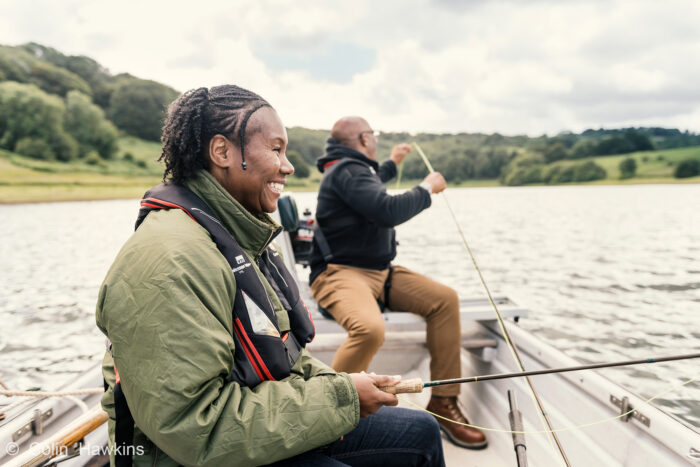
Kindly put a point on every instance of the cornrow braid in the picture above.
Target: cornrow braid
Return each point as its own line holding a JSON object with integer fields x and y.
{"x": 197, "y": 116}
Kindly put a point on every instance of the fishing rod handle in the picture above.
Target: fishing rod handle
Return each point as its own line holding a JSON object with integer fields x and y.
{"x": 409, "y": 385}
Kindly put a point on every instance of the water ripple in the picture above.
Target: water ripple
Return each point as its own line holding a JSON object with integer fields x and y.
{"x": 609, "y": 273}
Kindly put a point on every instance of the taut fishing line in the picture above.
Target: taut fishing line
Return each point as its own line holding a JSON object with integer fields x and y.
{"x": 516, "y": 357}
{"x": 558, "y": 430}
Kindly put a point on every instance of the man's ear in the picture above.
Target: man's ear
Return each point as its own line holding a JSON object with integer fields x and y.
{"x": 221, "y": 151}
{"x": 362, "y": 140}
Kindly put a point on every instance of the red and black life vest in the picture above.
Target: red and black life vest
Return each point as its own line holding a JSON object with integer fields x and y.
{"x": 263, "y": 352}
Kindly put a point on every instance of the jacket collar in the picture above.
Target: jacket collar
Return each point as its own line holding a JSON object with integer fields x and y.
{"x": 336, "y": 151}
{"x": 252, "y": 232}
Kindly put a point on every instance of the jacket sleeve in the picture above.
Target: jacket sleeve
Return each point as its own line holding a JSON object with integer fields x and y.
{"x": 167, "y": 309}
{"x": 310, "y": 367}
{"x": 387, "y": 171}
{"x": 364, "y": 192}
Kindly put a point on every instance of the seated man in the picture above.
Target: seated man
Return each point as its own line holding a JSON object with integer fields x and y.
{"x": 356, "y": 217}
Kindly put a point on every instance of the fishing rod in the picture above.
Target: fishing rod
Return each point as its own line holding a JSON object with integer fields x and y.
{"x": 506, "y": 335}
{"x": 417, "y": 385}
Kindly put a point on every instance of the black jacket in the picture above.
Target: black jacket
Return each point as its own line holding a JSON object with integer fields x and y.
{"x": 355, "y": 213}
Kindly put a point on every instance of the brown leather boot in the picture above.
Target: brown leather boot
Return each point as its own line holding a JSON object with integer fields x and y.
{"x": 464, "y": 436}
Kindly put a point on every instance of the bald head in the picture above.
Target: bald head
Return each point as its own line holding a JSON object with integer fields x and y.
{"x": 355, "y": 133}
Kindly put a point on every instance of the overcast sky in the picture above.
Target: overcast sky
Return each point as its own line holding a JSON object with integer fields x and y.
{"x": 508, "y": 66}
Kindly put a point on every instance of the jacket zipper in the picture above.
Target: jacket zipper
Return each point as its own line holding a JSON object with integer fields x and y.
{"x": 278, "y": 273}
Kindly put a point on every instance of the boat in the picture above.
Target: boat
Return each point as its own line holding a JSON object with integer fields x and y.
{"x": 587, "y": 407}
{"x": 67, "y": 431}
{"x": 598, "y": 422}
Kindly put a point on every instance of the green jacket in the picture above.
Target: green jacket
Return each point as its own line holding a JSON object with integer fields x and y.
{"x": 166, "y": 305}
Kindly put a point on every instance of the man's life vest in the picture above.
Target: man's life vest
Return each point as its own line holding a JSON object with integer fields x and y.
{"x": 263, "y": 352}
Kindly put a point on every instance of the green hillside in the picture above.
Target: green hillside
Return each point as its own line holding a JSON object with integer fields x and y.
{"x": 652, "y": 166}
{"x": 70, "y": 129}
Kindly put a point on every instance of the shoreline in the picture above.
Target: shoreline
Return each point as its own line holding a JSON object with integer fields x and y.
{"x": 31, "y": 193}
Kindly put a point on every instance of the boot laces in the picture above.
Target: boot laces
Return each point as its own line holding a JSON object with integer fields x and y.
{"x": 453, "y": 407}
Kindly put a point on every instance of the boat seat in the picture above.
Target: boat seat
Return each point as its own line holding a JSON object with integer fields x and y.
{"x": 401, "y": 340}
{"x": 470, "y": 310}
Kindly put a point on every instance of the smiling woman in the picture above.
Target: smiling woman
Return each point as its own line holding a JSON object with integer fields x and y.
{"x": 259, "y": 187}
{"x": 200, "y": 311}
{"x": 215, "y": 130}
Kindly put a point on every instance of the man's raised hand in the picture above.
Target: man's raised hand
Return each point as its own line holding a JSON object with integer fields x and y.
{"x": 436, "y": 181}
{"x": 399, "y": 152}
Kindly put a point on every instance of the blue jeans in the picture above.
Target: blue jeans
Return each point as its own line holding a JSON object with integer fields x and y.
{"x": 390, "y": 437}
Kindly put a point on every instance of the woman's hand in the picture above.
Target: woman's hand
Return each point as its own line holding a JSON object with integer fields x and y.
{"x": 371, "y": 397}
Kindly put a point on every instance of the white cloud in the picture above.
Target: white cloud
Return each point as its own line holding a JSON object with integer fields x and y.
{"x": 509, "y": 66}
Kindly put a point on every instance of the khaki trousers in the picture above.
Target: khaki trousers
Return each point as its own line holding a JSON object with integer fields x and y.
{"x": 350, "y": 294}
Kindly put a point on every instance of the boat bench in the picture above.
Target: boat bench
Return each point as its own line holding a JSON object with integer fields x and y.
{"x": 473, "y": 309}
{"x": 395, "y": 340}
{"x": 405, "y": 332}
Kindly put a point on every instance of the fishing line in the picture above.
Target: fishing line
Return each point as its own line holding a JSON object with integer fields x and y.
{"x": 506, "y": 336}
{"x": 558, "y": 430}
{"x": 398, "y": 178}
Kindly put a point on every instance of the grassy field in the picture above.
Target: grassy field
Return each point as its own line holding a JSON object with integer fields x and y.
{"x": 134, "y": 169}
{"x": 21, "y": 184}
{"x": 25, "y": 180}
{"x": 652, "y": 166}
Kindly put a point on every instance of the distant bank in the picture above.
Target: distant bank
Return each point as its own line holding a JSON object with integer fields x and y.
{"x": 134, "y": 170}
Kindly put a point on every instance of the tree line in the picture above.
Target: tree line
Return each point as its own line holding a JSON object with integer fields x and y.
{"x": 514, "y": 160}
{"x": 60, "y": 107}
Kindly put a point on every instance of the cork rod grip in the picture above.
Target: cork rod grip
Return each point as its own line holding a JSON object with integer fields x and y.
{"x": 409, "y": 385}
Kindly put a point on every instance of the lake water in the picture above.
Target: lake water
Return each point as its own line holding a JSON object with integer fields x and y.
{"x": 608, "y": 272}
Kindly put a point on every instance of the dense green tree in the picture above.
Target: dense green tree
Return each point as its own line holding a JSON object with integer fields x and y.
{"x": 458, "y": 167}
{"x": 638, "y": 140}
{"x": 64, "y": 145}
{"x": 93, "y": 158}
{"x": 308, "y": 143}
{"x": 28, "y": 112}
{"x": 301, "y": 168}
{"x": 614, "y": 145}
{"x": 687, "y": 168}
{"x": 588, "y": 171}
{"x": 35, "y": 148}
{"x": 628, "y": 168}
{"x": 582, "y": 148}
{"x": 138, "y": 107}
{"x": 55, "y": 80}
{"x": 10, "y": 70}
{"x": 555, "y": 152}
{"x": 15, "y": 64}
{"x": 86, "y": 122}
{"x": 582, "y": 172}
{"x": 495, "y": 139}
{"x": 96, "y": 76}
{"x": 567, "y": 139}
{"x": 101, "y": 83}
{"x": 565, "y": 175}
{"x": 525, "y": 176}
{"x": 552, "y": 173}
{"x": 517, "y": 170}
{"x": 490, "y": 162}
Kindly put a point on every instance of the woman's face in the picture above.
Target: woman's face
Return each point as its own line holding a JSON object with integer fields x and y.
{"x": 259, "y": 187}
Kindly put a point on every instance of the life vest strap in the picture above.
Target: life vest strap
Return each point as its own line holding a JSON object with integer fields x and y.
{"x": 123, "y": 429}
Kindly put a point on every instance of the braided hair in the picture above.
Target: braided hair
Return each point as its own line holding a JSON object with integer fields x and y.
{"x": 197, "y": 116}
